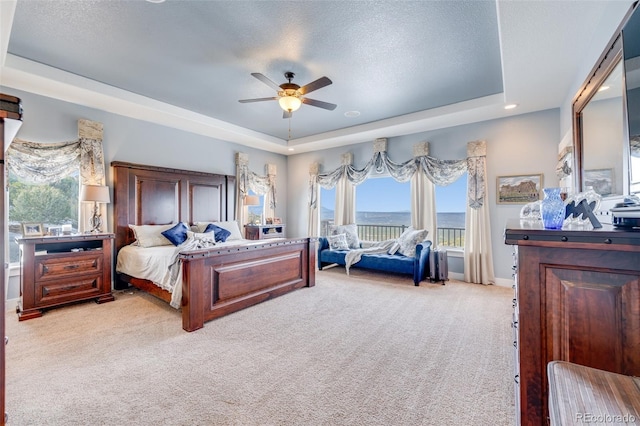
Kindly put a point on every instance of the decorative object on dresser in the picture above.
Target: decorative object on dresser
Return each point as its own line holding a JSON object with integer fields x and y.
{"x": 63, "y": 269}
{"x": 263, "y": 232}
{"x": 577, "y": 299}
{"x": 95, "y": 194}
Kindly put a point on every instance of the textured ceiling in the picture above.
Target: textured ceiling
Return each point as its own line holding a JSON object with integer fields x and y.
{"x": 386, "y": 59}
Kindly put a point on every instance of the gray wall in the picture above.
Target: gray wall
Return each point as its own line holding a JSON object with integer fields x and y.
{"x": 521, "y": 144}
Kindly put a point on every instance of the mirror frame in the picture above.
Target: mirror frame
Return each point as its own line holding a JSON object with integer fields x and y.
{"x": 609, "y": 59}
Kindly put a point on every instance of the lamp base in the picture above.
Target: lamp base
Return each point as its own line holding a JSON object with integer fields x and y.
{"x": 95, "y": 221}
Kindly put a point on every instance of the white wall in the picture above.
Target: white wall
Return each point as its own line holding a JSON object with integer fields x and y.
{"x": 521, "y": 144}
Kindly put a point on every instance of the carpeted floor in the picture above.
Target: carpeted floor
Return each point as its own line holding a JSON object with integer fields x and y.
{"x": 368, "y": 349}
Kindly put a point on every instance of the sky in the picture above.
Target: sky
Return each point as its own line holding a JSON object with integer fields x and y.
{"x": 387, "y": 195}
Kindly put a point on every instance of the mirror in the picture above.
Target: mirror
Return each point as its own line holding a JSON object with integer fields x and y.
{"x": 631, "y": 57}
{"x": 600, "y": 132}
{"x": 603, "y": 165}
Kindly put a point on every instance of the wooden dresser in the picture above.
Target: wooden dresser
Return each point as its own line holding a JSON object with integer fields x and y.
{"x": 59, "y": 270}
{"x": 577, "y": 299}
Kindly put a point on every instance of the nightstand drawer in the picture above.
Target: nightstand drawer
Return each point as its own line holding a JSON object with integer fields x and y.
{"x": 59, "y": 291}
{"x": 53, "y": 267}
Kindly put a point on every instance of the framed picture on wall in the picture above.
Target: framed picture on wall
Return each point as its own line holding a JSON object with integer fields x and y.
{"x": 518, "y": 189}
{"x": 600, "y": 179}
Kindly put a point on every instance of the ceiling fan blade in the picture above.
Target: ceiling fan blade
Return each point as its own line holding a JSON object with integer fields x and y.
{"x": 319, "y": 104}
{"x": 266, "y": 80}
{"x": 287, "y": 114}
{"x": 244, "y": 101}
{"x": 314, "y": 85}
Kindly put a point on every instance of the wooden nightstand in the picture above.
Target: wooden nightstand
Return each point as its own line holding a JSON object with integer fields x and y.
{"x": 263, "y": 232}
{"x": 59, "y": 270}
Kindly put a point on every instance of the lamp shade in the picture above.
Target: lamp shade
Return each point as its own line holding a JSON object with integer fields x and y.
{"x": 95, "y": 193}
{"x": 290, "y": 103}
{"x": 251, "y": 200}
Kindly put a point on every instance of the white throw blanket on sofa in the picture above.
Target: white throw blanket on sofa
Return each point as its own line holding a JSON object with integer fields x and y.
{"x": 353, "y": 256}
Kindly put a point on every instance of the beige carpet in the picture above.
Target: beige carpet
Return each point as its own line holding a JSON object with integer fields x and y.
{"x": 370, "y": 349}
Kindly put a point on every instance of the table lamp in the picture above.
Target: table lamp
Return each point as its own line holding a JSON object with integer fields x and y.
{"x": 96, "y": 194}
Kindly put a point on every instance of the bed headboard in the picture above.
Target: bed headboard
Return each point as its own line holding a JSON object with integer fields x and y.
{"x": 149, "y": 195}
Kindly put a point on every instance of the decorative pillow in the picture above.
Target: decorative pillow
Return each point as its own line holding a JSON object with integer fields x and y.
{"x": 409, "y": 239}
{"x": 230, "y": 225}
{"x": 338, "y": 242}
{"x": 220, "y": 234}
{"x": 177, "y": 235}
{"x": 351, "y": 234}
{"x": 202, "y": 236}
{"x": 151, "y": 235}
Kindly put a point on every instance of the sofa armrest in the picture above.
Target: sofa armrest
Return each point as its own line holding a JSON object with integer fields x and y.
{"x": 421, "y": 262}
{"x": 323, "y": 244}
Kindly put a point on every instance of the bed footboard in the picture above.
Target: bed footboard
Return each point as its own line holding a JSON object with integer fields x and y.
{"x": 219, "y": 282}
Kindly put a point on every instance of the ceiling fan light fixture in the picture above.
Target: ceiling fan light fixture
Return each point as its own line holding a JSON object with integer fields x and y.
{"x": 290, "y": 103}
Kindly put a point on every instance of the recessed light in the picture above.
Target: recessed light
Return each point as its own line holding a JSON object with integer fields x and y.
{"x": 603, "y": 88}
{"x": 291, "y": 149}
{"x": 156, "y": 1}
{"x": 510, "y": 106}
{"x": 352, "y": 114}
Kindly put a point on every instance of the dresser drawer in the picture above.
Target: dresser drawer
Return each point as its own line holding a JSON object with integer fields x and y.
{"x": 60, "y": 291}
{"x": 51, "y": 267}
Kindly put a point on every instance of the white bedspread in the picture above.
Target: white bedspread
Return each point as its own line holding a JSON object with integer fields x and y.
{"x": 161, "y": 264}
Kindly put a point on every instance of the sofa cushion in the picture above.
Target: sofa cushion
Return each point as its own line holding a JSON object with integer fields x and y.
{"x": 351, "y": 233}
{"x": 338, "y": 242}
{"x": 409, "y": 240}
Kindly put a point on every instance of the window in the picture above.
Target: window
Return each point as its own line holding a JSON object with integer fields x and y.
{"x": 327, "y": 209}
{"x": 451, "y": 207}
{"x": 383, "y": 208}
{"x": 255, "y": 211}
{"x": 53, "y": 204}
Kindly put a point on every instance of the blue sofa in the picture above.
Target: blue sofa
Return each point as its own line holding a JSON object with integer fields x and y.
{"x": 417, "y": 266}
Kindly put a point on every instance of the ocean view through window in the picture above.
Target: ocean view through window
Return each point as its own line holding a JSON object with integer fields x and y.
{"x": 383, "y": 210}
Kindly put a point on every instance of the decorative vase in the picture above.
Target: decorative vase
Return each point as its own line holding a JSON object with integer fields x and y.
{"x": 552, "y": 209}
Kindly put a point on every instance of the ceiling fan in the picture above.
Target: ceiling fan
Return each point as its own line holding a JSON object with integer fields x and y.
{"x": 290, "y": 95}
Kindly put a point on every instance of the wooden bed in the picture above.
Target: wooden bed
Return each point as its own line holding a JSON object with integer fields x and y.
{"x": 216, "y": 281}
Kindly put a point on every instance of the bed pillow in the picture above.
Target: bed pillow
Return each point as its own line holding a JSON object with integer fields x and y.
{"x": 220, "y": 234}
{"x": 229, "y": 225}
{"x": 351, "y": 234}
{"x": 409, "y": 240}
{"x": 177, "y": 235}
{"x": 338, "y": 242}
{"x": 151, "y": 235}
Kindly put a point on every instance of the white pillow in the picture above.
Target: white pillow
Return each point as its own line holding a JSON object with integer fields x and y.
{"x": 151, "y": 235}
{"x": 338, "y": 242}
{"x": 409, "y": 239}
{"x": 229, "y": 225}
{"x": 351, "y": 234}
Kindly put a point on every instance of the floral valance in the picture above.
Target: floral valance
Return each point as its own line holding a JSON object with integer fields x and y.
{"x": 440, "y": 172}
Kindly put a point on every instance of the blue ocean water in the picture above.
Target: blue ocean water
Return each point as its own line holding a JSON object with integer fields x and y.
{"x": 445, "y": 219}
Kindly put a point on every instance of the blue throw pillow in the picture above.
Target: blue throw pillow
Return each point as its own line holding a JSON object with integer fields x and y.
{"x": 177, "y": 234}
{"x": 221, "y": 234}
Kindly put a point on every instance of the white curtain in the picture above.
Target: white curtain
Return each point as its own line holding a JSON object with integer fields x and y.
{"x": 345, "y": 212}
{"x": 478, "y": 258}
{"x": 423, "y": 206}
{"x": 313, "y": 201}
